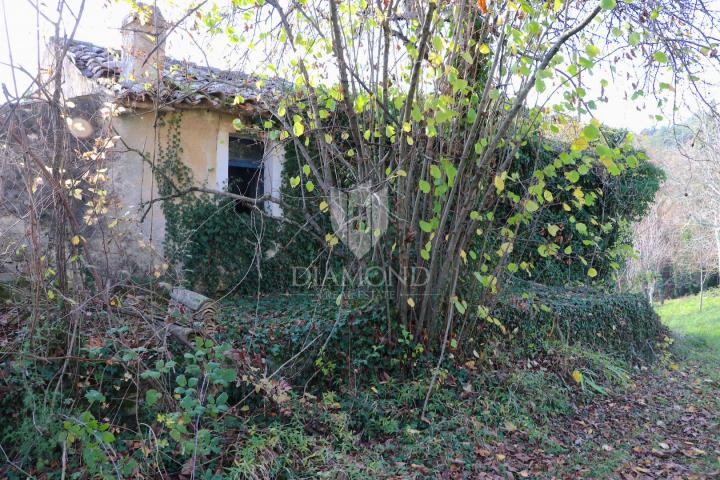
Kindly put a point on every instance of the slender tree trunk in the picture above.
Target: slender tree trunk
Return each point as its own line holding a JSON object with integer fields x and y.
{"x": 717, "y": 246}
{"x": 702, "y": 282}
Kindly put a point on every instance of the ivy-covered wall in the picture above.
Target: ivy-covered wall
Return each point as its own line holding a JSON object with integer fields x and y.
{"x": 220, "y": 250}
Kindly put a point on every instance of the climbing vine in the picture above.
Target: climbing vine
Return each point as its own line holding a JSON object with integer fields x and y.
{"x": 218, "y": 249}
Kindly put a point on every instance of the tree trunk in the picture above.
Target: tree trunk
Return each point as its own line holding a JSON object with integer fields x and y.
{"x": 717, "y": 246}
{"x": 702, "y": 282}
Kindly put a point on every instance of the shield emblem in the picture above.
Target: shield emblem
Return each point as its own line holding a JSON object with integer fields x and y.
{"x": 359, "y": 216}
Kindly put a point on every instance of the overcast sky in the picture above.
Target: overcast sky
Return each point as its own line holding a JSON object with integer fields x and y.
{"x": 100, "y": 25}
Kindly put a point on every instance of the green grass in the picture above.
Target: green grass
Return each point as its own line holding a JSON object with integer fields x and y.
{"x": 698, "y": 331}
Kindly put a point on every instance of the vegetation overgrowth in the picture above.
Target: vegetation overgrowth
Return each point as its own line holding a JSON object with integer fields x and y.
{"x": 468, "y": 127}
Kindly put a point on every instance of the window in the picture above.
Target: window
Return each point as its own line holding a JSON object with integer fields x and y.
{"x": 245, "y": 169}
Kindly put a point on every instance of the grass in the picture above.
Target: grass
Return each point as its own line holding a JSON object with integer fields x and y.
{"x": 684, "y": 317}
{"x": 697, "y": 332}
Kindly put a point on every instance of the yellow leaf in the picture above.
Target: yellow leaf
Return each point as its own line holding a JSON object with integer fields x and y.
{"x": 411, "y": 302}
{"x": 484, "y": 49}
{"x": 331, "y": 239}
{"x": 75, "y": 240}
{"x": 580, "y": 144}
{"x": 577, "y": 376}
{"x": 323, "y": 206}
{"x": 499, "y": 184}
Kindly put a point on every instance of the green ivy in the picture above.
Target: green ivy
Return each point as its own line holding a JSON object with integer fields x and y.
{"x": 221, "y": 250}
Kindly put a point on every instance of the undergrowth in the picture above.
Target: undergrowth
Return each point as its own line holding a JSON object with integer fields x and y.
{"x": 290, "y": 387}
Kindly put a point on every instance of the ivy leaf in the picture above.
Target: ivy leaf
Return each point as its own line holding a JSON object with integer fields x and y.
{"x": 94, "y": 396}
{"x": 152, "y": 396}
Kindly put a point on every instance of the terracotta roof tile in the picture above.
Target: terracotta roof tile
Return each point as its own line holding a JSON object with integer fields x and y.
{"x": 183, "y": 82}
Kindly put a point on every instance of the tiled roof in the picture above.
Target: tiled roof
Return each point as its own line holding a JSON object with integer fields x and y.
{"x": 184, "y": 83}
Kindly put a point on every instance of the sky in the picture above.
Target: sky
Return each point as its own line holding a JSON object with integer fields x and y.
{"x": 100, "y": 24}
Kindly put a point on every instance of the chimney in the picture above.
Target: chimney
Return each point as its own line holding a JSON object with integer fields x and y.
{"x": 141, "y": 31}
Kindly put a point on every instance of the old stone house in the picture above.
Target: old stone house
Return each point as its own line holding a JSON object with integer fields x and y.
{"x": 218, "y": 142}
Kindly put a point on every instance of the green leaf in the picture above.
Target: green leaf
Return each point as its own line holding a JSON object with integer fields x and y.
{"x": 592, "y": 273}
{"x": 572, "y": 175}
{"x": 635, "y": 39}
{"x": 425, "y": 226}
{"x": 152, "y": 396}
{"x": 460, "y": 307}
{"x": 660, "y": 57}
{"x": 531, "y": 206}
{"x": 553, "y": 229}
{"x": 309, "y": 186}
{"x": 298, "y": 128}
{"x": 608, "y": 4}
{"x": 424, "y": 186}
{"x": 591, "y": 132}
{"x": 294, "y": 181}
{"x": 306, "y": 170}
{"x": 592, "y": 51}
{"x": 94, "y": 396}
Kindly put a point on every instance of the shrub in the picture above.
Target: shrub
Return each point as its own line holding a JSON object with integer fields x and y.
{"x": 620, "y": 323}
